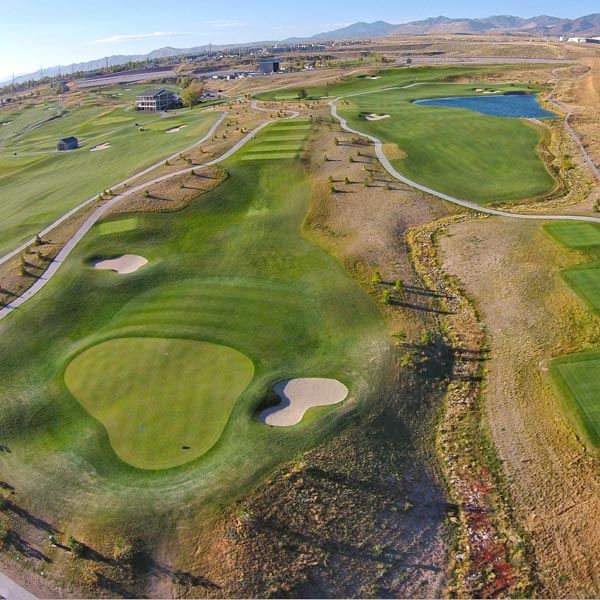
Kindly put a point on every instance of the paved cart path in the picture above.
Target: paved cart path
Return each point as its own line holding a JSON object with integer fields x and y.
{"x": 102, "y": 210}
{"x": 12, "y": 590}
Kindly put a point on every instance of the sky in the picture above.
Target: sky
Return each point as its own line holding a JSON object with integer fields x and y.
{"x": 55, "y": 32}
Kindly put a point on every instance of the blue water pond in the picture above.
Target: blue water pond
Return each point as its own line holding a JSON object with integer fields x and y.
{"x": 505, "y": 105}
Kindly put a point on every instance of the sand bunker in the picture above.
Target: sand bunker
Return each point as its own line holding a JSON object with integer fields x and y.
{"x": 374, "y": 117}
{"x": 174, "y": 129}
{"x": 493, "y": 92}
{"x": 373, "y": 77}
{"x": 99, "y": 147}
{"x": 298, "y": 395}
{"x": 128, "y": 263}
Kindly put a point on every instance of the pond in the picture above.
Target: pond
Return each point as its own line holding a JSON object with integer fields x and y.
{"x": 505, "y": 105}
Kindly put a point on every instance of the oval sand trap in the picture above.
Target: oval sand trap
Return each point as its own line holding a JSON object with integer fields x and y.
{"x": 374, "y": 117}
{"x": 298, "y": 395}
{"x": 99, "y": 147}
{"x": 175, "y": 129}
{"x": 128, "y": 263}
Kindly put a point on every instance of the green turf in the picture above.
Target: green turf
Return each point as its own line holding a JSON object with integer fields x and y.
{"x": 574, "y": 234}
{"x": 235, "y": 269}
{"x": 117, "y": 226}
{"x": 163, "y": 402}
{"x": 269, "y": 155}
{"x": 585, "y": 280}
{"x": 577, "y": 377}
{"x": 38, "y": 184}
{"x": 272, "y": 143}
{"x": 358, "y": 83}
{"x": 456, "y": 151}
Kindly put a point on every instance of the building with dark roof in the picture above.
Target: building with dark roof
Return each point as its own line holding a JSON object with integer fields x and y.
{"x": 267, "y": 66}
{"x": 68, "y": 143}
{"x": 160, "y": 99}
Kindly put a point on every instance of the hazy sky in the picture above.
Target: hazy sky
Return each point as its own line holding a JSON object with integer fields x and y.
{"x": 53, "y": 32}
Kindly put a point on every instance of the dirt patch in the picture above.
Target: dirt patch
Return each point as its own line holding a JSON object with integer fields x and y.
{"x": 128, "y": 263}
{"x": 299, "y": 395}
{"x": 393, "y": 151}
{"x": 172, "y": 194}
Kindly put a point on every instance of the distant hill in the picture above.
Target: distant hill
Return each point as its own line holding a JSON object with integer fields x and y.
{"x": 357, "y": 30}
{"x": 543, "y": 24}
{"x": 588, "y": 25}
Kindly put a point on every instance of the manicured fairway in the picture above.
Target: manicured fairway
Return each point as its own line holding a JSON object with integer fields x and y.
{"x": 283, "y": 140}
{"x": 575, "y": 235}
{"x": 358, "y": 83}
{"x": 39, "y": 184}
{"x": 577, "y": 376}
{"x": 163, "y": 402}
{"x": 456, "y": 151}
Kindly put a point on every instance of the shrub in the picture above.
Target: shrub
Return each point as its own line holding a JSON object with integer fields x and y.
{"x": 75, "y": 546}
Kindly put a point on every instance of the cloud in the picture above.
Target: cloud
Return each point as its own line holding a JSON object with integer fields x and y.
{"x": 167, "y": 34}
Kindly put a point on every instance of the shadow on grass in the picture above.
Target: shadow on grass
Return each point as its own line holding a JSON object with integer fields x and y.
{"x": 22, "y": 546}
{"x": 37, "y": 522}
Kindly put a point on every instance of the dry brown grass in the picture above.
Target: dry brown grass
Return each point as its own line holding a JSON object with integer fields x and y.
{"x": 174, "y": 193}
{"x": 512, "y": 272}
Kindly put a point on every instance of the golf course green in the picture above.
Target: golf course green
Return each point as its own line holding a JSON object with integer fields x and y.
{"x": 234, "y": 298}
{"x": 163, "y": 402}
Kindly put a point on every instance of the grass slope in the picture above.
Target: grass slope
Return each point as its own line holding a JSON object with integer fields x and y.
{"x": 163, "y": 402}
{"x": 39, "y": 184}
{"x": 232, "y": 269}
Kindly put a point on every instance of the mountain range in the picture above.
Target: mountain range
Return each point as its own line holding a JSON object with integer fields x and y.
{"x": 500, "y": 24}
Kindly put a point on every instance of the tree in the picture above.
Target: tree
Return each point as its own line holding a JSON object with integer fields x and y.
{"x": 191, "y": 95}
{"x": 302, "y": 94}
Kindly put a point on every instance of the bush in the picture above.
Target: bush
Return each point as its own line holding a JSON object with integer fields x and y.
{"x": 75, "y": 546}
